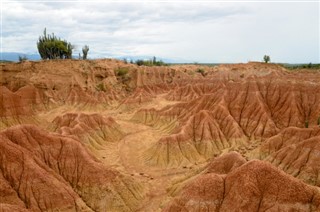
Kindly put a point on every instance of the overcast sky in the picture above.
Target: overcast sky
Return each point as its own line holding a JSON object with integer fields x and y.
{"x": 186, "y": 30}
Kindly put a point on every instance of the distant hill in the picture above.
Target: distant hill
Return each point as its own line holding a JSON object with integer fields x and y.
{"x": 14, "y": 56}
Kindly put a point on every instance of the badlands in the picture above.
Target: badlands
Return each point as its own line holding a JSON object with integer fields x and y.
{"x": 103, "y": 135}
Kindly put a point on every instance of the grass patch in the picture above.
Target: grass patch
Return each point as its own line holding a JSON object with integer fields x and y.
{"x": 201, "y": 71}
{"x": 121, "y": 71}
{"x": 101, "y": 87}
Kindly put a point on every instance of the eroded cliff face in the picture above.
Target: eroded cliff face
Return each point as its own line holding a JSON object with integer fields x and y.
{"x": 79, "y": 136}
{"x": 252, "y": 186}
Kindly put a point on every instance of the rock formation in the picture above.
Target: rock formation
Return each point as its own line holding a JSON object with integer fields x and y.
{"x": 45, "y": 171}
{"x": 103, "y": 135}
{"x": 251, "y": 186}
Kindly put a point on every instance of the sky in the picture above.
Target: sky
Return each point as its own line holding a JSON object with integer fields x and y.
{"x": 192, "y": 31}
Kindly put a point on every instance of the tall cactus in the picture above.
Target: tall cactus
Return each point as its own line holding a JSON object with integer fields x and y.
{"x": 51, "y": 47}
{"x": 85, "y": 50}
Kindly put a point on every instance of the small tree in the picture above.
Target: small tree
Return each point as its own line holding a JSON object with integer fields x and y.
{"x": 85, "y": 50}
{"x": 266, "y": 58}
{"x": 139, "y": 62}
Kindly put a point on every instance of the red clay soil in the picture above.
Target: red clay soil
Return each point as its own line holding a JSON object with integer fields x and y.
{"x": 80, "y": 124}
{"x": 47, "y": 171}
{"x": 76, "y": 136}
{"x": 252, "y": 110}
{"x": 296, "y": 151}
{"x": 240, "y": 186}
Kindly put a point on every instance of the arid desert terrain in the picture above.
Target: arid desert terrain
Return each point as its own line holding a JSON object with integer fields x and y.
{"x": 104, "y": 135}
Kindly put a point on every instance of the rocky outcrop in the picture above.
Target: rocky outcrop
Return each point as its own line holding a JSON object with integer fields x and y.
{"x": 93, "y": 130}
{"x": 296, "y": 151}
{"x": 253, "y": 186}
{"x": 237, "y": 111}
{"x": 46, "y": 171}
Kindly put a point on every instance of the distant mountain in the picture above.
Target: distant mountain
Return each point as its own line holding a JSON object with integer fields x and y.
{"x": 14, "y": 56}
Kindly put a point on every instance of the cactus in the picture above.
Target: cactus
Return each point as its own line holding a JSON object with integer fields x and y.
{"x": 85, "y": 50}
{"x": 51, "y": 47}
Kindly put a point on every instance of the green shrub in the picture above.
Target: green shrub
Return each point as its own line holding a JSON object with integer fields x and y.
{"x": 151, "y": 62}
{"x": 266, "y": 58}
{"x": 51, "y": 47}
{"x": 121, "y": 71}
{"x": 101, "y": 87}
{"x": 306, "y": 124}
{"x": 201, "y": 71}
{"x": 319, "y": 121}
{"x": 139, "y": 62}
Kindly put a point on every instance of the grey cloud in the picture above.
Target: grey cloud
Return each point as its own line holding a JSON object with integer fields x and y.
{"x": 214, "y": 30}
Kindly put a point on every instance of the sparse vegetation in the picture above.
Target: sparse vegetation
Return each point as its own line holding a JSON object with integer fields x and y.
{"x": 318, "y": 121}
{"x": 306, "y": 124}
{"x": 121, "y": 71}
{"x": 151, "y": 62}
{"x": 266, "y": 58}
{"x": 85, "y": 50}
{"x": 301, "y": 66}
{"x": 201, "y": 71}
{"x": 52, "y": 47}
{"x": 139, "y": 62}
{"x": 101, "y": 87}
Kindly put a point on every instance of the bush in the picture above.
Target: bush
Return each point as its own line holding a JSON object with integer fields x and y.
{"x": 101, "y": 87}
{"x": 151, "y": 62}
{"x": 306, "y": 124}
{"x": 201, "y": 71}
{"x": 266, "y": 58}
{"x": 139, "y": 62}
{"x": 121, "y": 71}
{"x": 51, "y": 47}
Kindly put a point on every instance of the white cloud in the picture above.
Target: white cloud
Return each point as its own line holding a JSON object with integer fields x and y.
{"x": 203, "y": 32}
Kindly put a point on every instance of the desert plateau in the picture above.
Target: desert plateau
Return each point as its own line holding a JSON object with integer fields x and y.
{"x": 105, "y": 135}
